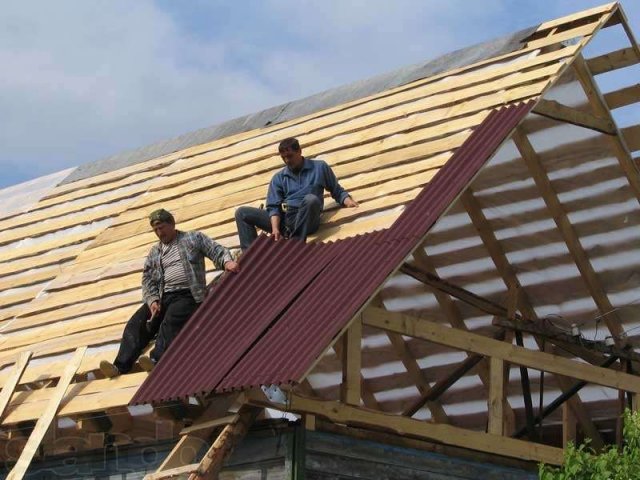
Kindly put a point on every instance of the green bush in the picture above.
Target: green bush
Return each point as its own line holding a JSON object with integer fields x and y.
{"x": 582, "y": 463}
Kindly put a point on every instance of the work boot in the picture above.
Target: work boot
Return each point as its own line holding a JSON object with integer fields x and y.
{"x": 146, "y": 363}
{"x": 108, "y": 369}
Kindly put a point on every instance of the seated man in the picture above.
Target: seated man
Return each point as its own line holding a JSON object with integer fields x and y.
{"x": 173, "y": 286}
{"x": 295, "y": 195}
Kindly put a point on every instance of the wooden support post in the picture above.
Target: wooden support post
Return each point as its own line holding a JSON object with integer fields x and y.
{"x": 568, "y": 425}
{"x": 351, "y": 363}
{"x": 367, "y": 396}
{"x": 44, "y": 422}
{"x": 526, "y": 393}
{"x": 14, "y": 378}
{"x": 496, "y": 397}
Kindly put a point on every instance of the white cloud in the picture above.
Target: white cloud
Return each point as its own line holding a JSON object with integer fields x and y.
{"x": 83, "y": 80}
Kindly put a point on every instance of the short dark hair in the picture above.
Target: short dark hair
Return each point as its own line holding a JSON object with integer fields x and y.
{"x": 289, "y": 144}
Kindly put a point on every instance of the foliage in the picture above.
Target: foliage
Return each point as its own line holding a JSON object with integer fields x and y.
{"x": 582, "y": 463}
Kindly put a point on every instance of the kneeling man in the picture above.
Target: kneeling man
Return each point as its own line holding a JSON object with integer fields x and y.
{"x": 173, "y": 286}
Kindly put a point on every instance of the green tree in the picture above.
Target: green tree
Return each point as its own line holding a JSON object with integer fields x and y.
{"x": 582, "y": 463}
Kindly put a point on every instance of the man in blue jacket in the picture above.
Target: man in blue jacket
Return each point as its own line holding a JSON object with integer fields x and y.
{"x": 294, "y": 200}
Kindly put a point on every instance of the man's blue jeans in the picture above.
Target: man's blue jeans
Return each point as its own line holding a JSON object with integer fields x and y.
{"x": 299, "y": 223}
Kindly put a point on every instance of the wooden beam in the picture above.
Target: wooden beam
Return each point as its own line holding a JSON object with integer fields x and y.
{"x": 443, "y": 385}
{"x": 351, "y": 364}
{"x": 415, "y": 372}
{"x": 14, "y": 378}
{"x": 44, "y": 422}
{"x": 620, "y": 149}
{"x": 631, "y": 137}
{"x": 562, "y": 113}
{"x": 526, "y": 392}
{"x": 472, "y": 342}
{"x": 172, "y": 472}
{"x": 625, "y": 57}
{"x": 623, "y": 97}
{"x": 217, "y": 422}
{"x": 510, "y": 280}
{"x": 231, "y": 435}
{"x": 448, "y": 434}
{"x": 627, "y": 29}
{"x": 496, "y": 397}
{"x": 569, "y": 234}
{"x": 466, "y": 296}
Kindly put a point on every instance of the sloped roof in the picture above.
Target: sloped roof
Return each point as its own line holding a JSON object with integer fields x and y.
{"x": 70, "y": 265}
{"x": 268, "y": 323}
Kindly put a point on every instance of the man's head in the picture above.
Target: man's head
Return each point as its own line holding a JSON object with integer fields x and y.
{"x": 291, "y": 153}
{"x": 163, "y": 224}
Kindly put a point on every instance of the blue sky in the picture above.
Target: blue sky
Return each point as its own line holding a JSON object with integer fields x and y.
{"x": 86, "y": 79}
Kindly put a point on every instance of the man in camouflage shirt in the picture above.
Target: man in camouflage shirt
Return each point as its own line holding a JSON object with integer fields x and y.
{"x": 173, "y": 286}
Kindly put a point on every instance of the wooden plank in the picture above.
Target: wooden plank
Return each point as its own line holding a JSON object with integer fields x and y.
{"x": 496, "y": 396}
{"x": 562, "y": 113}
{"x": 623, "y": 96}
{"x": 625, "y": 57}
{"x": 562, "y": 21}
{"x": 447, "y": 434}
{"x": 368, "y": 398}
{"x": 217, "y": 422}
{"x": 471, "y": 342}
{"x": 21, "y": 466}
{"x": 231, "y": 435}
{"x": 9, "y": 386}
{"x": 628, "y": 31}
{"x": 172, "y": 472}
{"x": 568, "y": 233}
{"x": 631, "y": 137}
{"x": 351, "y": 364}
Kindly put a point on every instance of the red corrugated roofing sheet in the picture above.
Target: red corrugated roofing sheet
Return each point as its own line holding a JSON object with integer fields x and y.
{"x": 269, "y": 323}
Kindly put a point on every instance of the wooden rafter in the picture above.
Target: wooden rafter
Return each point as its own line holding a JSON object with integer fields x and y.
{"x": 510, "y": 279}
{"x": 620, "y": 149}
{"x": 472, "y": 342}
{"x": 569, "y": 234}
{"x": 622, "y": 97}
{"x": 44, "y": 422}
{"x": 448, "y": 434}
{"x": 562, "y": 113}
{"x": 625, "y": 57}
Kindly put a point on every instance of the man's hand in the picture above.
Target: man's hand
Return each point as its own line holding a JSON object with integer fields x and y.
{"x": 276, "y": 235}
{"x": 350, "y": 203}
{"x": 155, "y": 308}
{"x": 232, "y": 266}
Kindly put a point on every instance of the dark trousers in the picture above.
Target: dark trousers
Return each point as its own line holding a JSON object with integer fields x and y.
{"x": 175, "y": 310}
{"x": 299, "y": 223}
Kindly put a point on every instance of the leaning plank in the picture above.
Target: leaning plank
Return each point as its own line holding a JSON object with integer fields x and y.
{"x": 221, "y": 449}
{"x": 471, "y": 342}
{"x": 20, "y": 468}
{"x": 14, "y": 378}
{"x": 448, "y": 434}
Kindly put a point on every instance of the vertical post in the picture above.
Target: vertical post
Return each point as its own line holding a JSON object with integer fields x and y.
{"x": 352, "y": 364}
{"x": 568, "y": 425}
{"x": 496, "y": 396}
